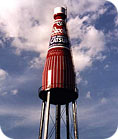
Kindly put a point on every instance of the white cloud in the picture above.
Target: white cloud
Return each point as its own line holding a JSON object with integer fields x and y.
{"x": 103, "y": 101}
{"x": 19, "y": 20}
{"x": 106, "y": 66}
{"x": 4, "y": 93}
{"x": 8, "y": 85}
{"x": 77, "y": 6}
{"x": 89, "y": 43}
{"x": 37, "y": 62}
{"x": 30, "y": 25}
{"x": 76, "y": 27}
{"x": 81, "y": 61}
{"x": 97, "y": 114}
{"x": 88, "y": 95}
{"x": 14, "y": 91}
{"x": 78, "y": 78}
{"x": 3, "y": 74}
{"x": 1, "y": 43}
{"x": 116, "y": 21}
{"x": 90, "y": 48}
{"x": 35, "y": 39}
{"x": 25, "y": 115}
{"x": 93, "y": 42}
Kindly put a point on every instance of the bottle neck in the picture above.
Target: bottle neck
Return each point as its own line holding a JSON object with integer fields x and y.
{"x": 59, "y": 16}
{"x": 59, "y": 36}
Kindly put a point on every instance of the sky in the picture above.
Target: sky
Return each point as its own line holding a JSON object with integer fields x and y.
{"x": 25, "y": 29}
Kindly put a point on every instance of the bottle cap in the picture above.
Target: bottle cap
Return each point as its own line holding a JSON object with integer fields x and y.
{"x": 59, "y": 10}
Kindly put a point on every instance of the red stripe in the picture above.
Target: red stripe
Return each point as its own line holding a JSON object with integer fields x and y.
{"x": 44, "y": 75}
{"x": 55, "y": 73}
{"x": 52, "y": 71}
{"x": 46, "y": 80}
{"x": 67, "y": 73}
{"x": 62, "y": 72}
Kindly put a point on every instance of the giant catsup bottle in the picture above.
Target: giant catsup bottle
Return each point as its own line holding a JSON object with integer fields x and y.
{"x": 58, "y": 75}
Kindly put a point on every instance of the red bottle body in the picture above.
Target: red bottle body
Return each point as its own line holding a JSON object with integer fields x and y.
{"x": 58, "y": 74}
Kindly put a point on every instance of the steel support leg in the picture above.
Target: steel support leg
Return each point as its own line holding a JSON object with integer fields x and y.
{"x": 42, "y": 120}
{"x": 67, "y": 120}
{"x": 74, "y": 106}
{"x": 47, "y": 116}
{"x": 57, "y": 135}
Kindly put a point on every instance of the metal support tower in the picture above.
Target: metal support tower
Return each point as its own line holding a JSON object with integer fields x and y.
{"x": 45, "y": 115}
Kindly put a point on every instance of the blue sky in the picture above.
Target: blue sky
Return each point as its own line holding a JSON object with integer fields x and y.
{"x": 25, "y": 29}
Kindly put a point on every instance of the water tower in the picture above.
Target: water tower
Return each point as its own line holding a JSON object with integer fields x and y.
{"x": 58, "y": 79}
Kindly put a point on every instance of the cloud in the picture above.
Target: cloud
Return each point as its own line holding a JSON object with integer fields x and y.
{"x": 106, "y": 66}
{"x": 116, "y": 21}
{"x": 25, "y": 116}
{"x": 37, "y": 62}
{"x": 83, "y": 40}
{"x": 90, "y": 48}
{"x": 4, "y": 93}
{"x": 1, "y": 43}
{"x": 88, "y": 43}
{"x": 8, "y": 85}
{"x": 103, "y": 100}
{"x": 77, "y": 6}
{"x": 98, "y": 114}
{"x": 34, "y": 39}
{"x": 20, "y": 20}
{"x": 3, "y": 74}
{"x": 30, "y": 25}
{"x": 91, "y": 114}
{"x": 88, "y": 95}
{"x": 14, "y": 92}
